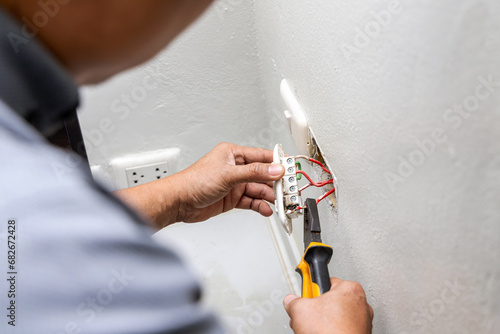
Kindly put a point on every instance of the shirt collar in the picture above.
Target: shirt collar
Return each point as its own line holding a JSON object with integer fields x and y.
{"x": 32, "y": 82}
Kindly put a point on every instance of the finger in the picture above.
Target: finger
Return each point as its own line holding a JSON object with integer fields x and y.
{"x": 252, "y": 154}
{"x": 287, "y": 302}
{"x": 335, "y": 282}
{"x": 269, "y": 183}
{"x": 260, "y": 191}
{"x": 255, "y": 172}
{"x": 257, "y": 205}
{"x": 370, "y": 310}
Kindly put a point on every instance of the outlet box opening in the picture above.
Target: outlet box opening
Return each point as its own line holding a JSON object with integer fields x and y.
{"x": 318, "y": 155}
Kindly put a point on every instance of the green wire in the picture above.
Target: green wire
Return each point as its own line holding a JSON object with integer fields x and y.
{"x": 299, "y": 167}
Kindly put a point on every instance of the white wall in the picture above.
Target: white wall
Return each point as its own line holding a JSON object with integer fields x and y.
{"x": 426, "y": 247}
{"x": 203, "y": 90}
{"x": 425, "y": 242}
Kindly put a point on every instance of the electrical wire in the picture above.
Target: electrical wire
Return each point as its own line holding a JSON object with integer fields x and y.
{"x": 316, "y": 184}
{"x": 321, "y": 184}
{"x": 314, "y": 161}
{"x": 328, "y": 193}
{"x": 304, "y": 188}
{"x": 325, "y": 195}
{"x": 311, "y": 182}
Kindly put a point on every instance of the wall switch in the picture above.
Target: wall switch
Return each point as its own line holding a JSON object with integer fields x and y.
{"x": 136, "y": 169}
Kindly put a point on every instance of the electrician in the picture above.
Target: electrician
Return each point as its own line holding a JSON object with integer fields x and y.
{"x": 86, "y": 260}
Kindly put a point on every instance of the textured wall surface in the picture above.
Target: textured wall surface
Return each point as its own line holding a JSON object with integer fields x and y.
{"x": 203, "y": 90}
{"x": 398, "y": 97}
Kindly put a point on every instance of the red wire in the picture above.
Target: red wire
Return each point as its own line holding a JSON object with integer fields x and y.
{"x": 325, "y": 196}
{"x": 312, "y": 183}
{"x": 315, "y": 161}
{"x": 328, "y": 193}
{"x": 316, "y": 184}
{"x": 321, "y": 184}
{"x": 304, "y": 188}
{"x": 325, "y": 183}
{"x": 319, "y": 163}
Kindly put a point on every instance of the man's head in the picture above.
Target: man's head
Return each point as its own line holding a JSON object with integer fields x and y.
{"x": 95, "y": 39}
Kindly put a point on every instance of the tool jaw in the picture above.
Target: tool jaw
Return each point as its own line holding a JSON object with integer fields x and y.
{"x": 313, "y": 267}
{"x": 312, "y": 227}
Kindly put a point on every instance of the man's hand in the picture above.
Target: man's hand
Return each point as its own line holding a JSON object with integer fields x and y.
{"x": 341, "y": 310}
{"x": 228, "y": 177}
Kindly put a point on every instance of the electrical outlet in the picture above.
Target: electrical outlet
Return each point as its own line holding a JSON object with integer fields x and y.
{"x": 136, "y": 169}
{"x": 303, "y": 136}
{"x": 148, "y": 173}
{"x": 318, "y": 155}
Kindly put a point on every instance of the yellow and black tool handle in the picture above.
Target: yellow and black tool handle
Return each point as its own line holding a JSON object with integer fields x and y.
{"x": 313, "y": 268}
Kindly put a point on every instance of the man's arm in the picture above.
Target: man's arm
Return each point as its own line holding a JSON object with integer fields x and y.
{"x": 86, "y": 264}
{"x": 228, "y": 177}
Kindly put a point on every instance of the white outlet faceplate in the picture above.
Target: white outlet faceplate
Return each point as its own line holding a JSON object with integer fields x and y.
{"x": 148, "y": 173}
{"x": 136, "y": 169}
{"x": 297, "y": 120}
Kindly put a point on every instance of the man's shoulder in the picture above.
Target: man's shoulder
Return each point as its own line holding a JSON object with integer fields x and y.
{"x": 36, "y": 177}
{"x": 85, "y": 259}
{"x": 30, "y": 164}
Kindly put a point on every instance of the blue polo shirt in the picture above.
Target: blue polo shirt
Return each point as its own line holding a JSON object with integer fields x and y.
{"x": 82, "y": 262}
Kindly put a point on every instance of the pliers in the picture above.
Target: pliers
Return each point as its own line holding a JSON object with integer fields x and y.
{"x": 313, "y": 267}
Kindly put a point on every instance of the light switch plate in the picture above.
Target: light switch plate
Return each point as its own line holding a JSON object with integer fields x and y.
{"x": 297, "y": 120}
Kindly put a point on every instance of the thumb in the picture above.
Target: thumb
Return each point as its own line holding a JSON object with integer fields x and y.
{"x": 287, "y": 301}
{"x": 256, "y": 172}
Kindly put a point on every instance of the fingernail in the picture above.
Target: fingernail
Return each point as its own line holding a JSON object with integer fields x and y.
{"x": 276, "y": 169}
{"x": 288, "y": 299}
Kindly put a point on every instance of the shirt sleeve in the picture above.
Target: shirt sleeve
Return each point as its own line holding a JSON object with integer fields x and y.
{"x": 85, "y": 263}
